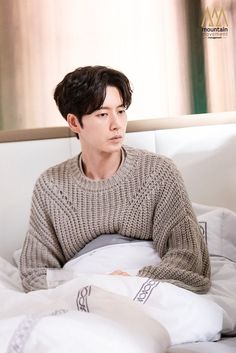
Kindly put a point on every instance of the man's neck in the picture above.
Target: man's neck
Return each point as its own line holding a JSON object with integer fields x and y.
{"x": 101, "y": 166}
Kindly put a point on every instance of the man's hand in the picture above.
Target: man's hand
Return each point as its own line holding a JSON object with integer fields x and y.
{"x": 120, "y": 273}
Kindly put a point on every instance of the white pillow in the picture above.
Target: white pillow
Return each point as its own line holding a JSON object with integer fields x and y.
{"x": 218, "y": 226}
{"x": 16, "y": 257}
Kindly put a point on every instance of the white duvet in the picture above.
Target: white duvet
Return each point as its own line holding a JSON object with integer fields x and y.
{"x": 91, "y": 311}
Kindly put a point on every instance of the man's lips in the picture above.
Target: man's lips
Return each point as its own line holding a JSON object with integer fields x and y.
{"x": 116, "y": 137}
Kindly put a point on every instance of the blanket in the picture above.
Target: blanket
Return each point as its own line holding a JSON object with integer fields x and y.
{"x": 86, "y": 309}
{"x": 91, "y": 307}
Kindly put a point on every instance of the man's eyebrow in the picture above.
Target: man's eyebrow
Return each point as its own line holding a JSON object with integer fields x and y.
{"x": 103, "y": 107}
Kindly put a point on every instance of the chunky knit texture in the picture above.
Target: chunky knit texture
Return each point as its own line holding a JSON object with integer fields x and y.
{"x": 144, "y": 199}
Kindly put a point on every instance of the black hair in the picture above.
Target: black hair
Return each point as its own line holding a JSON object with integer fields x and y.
{"x": 83, "y": 91}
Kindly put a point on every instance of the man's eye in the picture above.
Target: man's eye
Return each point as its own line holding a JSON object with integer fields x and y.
{"x": 122, "y": 111}
{"x": 102, "y": 115}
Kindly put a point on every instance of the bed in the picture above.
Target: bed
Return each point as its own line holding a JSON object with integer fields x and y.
{"x": 57, "y": 320}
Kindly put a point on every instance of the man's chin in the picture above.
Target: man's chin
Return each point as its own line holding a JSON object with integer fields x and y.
{"x": 113, "y": 148}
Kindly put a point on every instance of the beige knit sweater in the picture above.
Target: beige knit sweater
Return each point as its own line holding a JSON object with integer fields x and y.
{"x": 145, "y": 199}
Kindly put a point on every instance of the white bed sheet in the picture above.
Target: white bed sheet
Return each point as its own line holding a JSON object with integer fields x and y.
{"x": 225, "y": 345}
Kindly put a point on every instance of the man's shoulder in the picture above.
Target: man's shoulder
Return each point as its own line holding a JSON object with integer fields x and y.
{"x": 57, "y": 172}
{"x": 146, "y": 156}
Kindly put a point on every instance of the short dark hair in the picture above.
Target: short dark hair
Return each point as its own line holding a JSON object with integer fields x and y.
{"x": 83, "y": 91}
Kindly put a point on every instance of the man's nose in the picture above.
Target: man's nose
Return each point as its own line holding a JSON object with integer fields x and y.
{"x": 115, "y": 121}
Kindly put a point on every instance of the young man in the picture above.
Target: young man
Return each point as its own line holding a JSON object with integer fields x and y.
{"x": 110, "y": 188}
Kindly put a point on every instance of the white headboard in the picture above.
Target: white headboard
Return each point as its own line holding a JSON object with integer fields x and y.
{"x": 205, "y": 155}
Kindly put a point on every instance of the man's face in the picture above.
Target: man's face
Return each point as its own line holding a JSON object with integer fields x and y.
{"x": 104, "y": 129}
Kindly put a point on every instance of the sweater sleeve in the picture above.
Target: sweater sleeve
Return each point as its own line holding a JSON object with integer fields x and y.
{"x": 41, "y": 249}
{"x": 177, "y": 237}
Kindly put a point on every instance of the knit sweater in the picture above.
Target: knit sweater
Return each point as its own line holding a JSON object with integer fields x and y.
{"x": 145, "y": 199}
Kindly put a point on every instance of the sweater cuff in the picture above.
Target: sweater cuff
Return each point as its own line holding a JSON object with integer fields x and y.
{"x": 147, "y": 271}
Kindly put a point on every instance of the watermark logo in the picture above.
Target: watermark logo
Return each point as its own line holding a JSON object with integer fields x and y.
{"x": 214, "y": 24}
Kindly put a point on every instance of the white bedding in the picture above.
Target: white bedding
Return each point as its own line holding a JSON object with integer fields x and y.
{"x": 167, "y": 315}
{"x": 91, "y": 311}
{"x": 172, "y": 316}
{"x": 49, "y": 321}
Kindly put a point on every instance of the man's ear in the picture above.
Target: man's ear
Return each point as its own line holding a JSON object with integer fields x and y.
{"x": 73, "y": 123}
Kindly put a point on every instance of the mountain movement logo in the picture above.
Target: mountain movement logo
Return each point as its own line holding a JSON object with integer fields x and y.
{"x": 214, "y": 24}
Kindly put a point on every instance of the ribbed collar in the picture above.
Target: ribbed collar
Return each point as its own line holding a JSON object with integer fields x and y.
{"x": 80, "y": 163}
{"x": 130, "y": 158}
